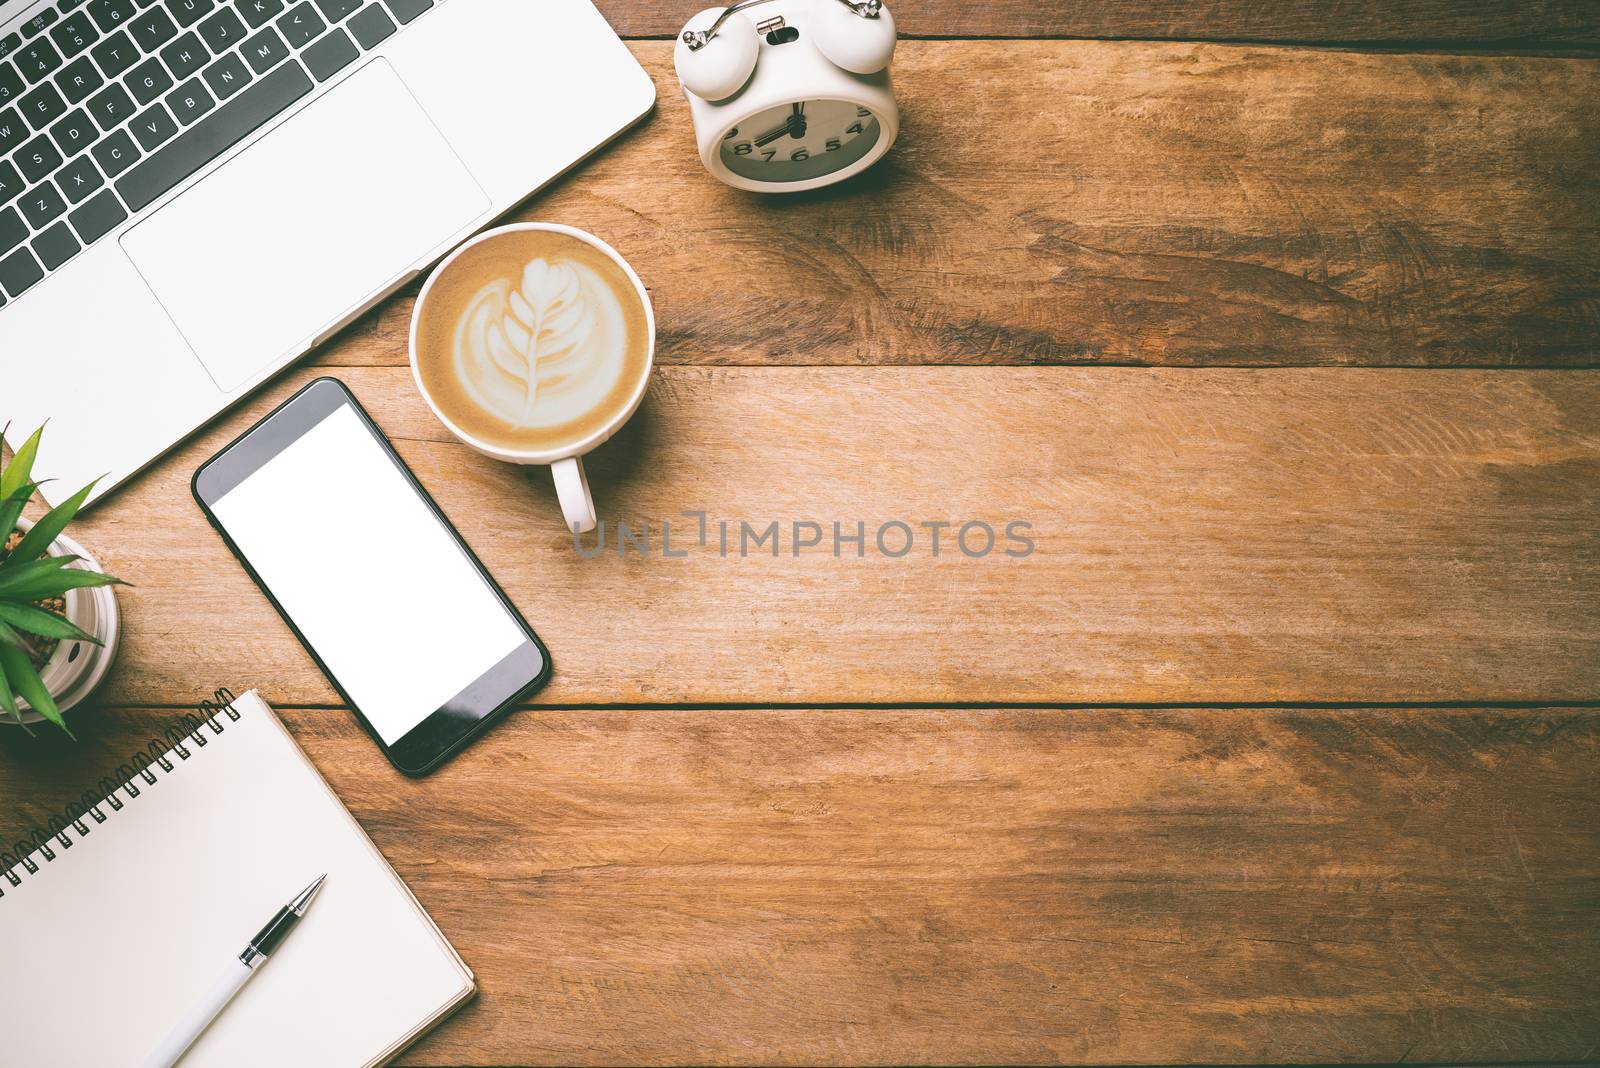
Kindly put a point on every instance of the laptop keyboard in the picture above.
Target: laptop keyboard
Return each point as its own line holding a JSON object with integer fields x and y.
{"x": 105, "y": 105}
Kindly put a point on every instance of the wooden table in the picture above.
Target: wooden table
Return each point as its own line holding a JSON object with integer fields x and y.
{"x": 1280, "y": 746}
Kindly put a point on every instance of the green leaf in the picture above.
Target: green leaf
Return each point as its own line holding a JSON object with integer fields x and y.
{"x": 11, "y": 510}
{"x": 20, "y": 468}
{"x": 7, "y": 701}
{"x": 10, "y": 637}
{"x": 38, "y": 540}
{"x": 56, "y": 583}
{"x": 16, "y": 571}
{"x": 20, "y": 671}
{"x": 45, "y": 624}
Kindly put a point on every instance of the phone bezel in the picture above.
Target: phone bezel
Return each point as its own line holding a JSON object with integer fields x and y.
{"x": 446, "y": 730}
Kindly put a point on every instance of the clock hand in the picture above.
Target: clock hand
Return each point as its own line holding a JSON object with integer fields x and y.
{"x": 767, "y": 138}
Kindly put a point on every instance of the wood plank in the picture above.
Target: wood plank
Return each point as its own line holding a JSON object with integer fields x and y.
{"x": 1417, "y": 22}
{"x": 1131, "y": 203}
{"x": 939, "y": 886}
{"x": 1199, "y": 536}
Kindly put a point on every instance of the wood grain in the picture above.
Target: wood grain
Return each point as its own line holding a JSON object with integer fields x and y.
{"x": 949, "y": 886}
{"x": 1075, "y": 202}
{"x": 1364, "y": 22}
{"x": 1199, "y": 536}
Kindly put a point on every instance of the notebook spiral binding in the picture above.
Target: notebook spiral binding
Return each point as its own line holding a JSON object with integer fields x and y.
{"x": 140, "y": 766}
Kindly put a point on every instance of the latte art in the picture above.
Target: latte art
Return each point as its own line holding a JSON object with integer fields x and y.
{"x": 532, "y": 341}
{"x": 540, "y": 349}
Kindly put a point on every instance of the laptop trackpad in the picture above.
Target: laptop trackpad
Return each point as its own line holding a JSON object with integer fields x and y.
{"x": 274, "y": 248}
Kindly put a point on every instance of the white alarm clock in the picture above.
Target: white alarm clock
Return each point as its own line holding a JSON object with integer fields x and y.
{"x": 799, "y": 99}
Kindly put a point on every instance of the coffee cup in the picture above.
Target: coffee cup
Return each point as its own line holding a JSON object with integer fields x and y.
{"x": 533, "y": 344}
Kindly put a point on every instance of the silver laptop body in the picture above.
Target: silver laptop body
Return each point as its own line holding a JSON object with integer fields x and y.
{"x": 193, "y": 193}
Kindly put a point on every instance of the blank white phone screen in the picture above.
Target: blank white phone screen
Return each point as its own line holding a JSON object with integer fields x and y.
{"x": 370, "y": 576}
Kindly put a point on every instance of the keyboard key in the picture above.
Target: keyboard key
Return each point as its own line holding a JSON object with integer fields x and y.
{"x": 38, "y": 158}
{"x": 115, "y": 54}
{"x": 153, "y": 28}
{"x": 372, "y": 26}
{"x": 9, "y": 44}
{"x": 43, "y": 106}
{"x": 109, "y": 14}
{"x": 68, "y": 5}
{"x": 79, "y": 178}
{"x": 111, "y": 106}
{"x": 10, "y": 182}
{"x": 75, "y": 34}
{"x": 227, "y": 76}
{"x": 36, "y": 59}
{"x": 149, "y": 80}
{"x": 37, "y": 24}
{"x": 116, "y": 153}
{"x": 97, "y": 218}
{"x": 74, "y": 133}
{"x": 13, "y": 231}
{"x": 19, "y": 271}
{"x": 56, "y": 246}
{"x": 12, "y": 132}
{"x": 406, "y": 10}
{"x": 41, "y": 204}
{"x": 337, "y": 10}
{"x": 222, "y": 31}
{"x": 79, "y": 79}
{"x": 301, "y": 25}
{"x": 153, "y": 127}
{"x": 330, "y": 55}
{"x": 185, "y": 56}
{"x": 258, "y": 12}
{"x": 10, "y": 83}
{"x": 189, "y": 12}
{"x": 265, "y": 50}
{"x": 189, "y": 101}
{"x": 214, "y": 135}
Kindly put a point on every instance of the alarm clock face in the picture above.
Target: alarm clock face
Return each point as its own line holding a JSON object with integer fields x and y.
{"x": 800, "y": 141}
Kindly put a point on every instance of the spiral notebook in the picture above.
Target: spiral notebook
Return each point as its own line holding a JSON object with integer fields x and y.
{"x": 129, "y": 908}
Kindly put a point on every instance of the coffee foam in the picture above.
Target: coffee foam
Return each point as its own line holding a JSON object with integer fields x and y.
{"x": 532, "y": 340}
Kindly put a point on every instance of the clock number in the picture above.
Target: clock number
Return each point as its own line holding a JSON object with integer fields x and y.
{"x": 731, "y": 134}
{"x": 834, "y": 145}
{"x": 768, "y": 153}
{"x": 799, "y": 155}
{"x": 863, "y": 113}
{"x": 743, "y": 148}
{"x": 853, "y": 128}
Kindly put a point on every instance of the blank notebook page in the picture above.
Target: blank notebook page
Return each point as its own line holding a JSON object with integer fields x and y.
{"x": 106, "y": 946}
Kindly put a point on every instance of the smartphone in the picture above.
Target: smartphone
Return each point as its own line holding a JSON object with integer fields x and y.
{"x": 371, "y": 576}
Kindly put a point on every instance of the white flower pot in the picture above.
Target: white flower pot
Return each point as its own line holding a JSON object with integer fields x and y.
{"x": 77, "y": 668}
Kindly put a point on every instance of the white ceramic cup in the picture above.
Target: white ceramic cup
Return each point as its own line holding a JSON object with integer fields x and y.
{"x": 566, "y": 463}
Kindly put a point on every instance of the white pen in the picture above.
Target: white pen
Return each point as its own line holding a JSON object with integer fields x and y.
{"x": 239, "y": 971}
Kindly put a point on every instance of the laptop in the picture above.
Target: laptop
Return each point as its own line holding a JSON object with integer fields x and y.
{"x": 193, "y": 193}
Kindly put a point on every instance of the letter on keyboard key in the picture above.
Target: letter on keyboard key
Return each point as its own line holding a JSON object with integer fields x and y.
{"x": 188, "y": 12}
{"x": 153, "y": 126}
{"x": 330, "y": 55}
{"x": 97, "y": 218}
{"x": 214, "y": 135}
{"x": 227, "y": 76}
{"x": 265, "y": 50}
{"x": 115, "y": 154}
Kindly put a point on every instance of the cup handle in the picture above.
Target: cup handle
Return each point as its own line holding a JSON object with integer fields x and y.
{"x": 572, "y": 488}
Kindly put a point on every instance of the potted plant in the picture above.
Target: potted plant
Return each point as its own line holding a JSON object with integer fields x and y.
{"x": 58, "y": 617}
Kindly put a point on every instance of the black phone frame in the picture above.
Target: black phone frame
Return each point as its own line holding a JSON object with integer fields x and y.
{"x": 449, "y": 728}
